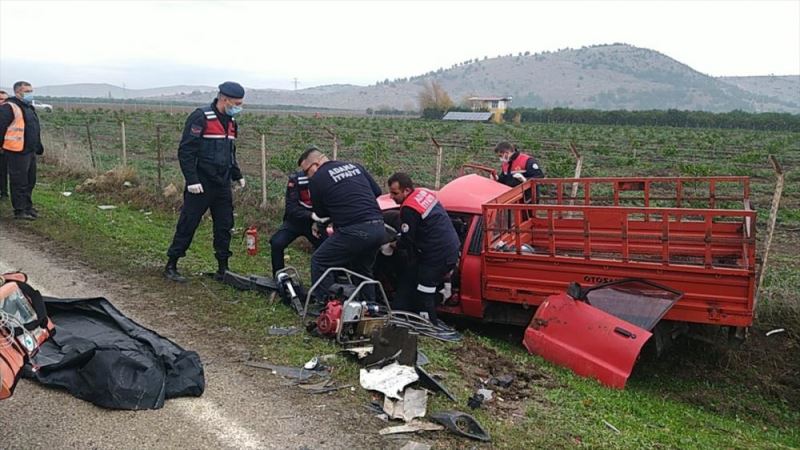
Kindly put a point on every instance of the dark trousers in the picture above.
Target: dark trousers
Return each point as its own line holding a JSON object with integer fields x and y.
{"x": 220, "y": 201}
{"x": 353, "y": 247}
{"x": 22, "y": 176}
{"x": 417, "y": 290}
{"x": 286, "y": 235}
{"x": 3, "y": 174}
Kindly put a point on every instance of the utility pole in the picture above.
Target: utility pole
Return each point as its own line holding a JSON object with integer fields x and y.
{"x": 295, "y": 83}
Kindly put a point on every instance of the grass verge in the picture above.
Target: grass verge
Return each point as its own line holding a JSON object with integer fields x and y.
{"x": 686, "y": 401}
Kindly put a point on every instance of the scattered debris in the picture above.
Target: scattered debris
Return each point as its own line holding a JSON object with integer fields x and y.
{"x": 422, "y": 359}
{"x": 106, "y": 207}
{"x": 615, "y": 429}
{"x": 412, "y": 427}
{"x": 776, "y": 331}
{"x": 360, "y": 352}
{"x": 503, "y": 381}
{"x": 297, "y": 373}
{"x": 427, "y": 381}
{"x": 274, "y": 330}
{"x": 312, "y": 363}
{"x": 392, "y": 342}
{"x": 412, "y": 445}
{"x": 488, "y": 394}
{"x": 475, "y": 401}
{"x": 389, "y": 380}
{"x": 424, "y": 326}
{"x": 127, "y": 184}
{"x": 461, "y": 424}
{"x": 66, "y": 194}
{"x": 413, "y": 404}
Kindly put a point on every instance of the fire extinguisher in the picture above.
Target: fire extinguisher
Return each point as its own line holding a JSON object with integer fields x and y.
{"x": 251, "y": 240}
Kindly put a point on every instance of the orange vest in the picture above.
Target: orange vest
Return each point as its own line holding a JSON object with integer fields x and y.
{"x": 24, "y": 327}
{"x": 14, "y": 139}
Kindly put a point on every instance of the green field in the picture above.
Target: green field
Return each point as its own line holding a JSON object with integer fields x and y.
{"x": 697, "y": 396}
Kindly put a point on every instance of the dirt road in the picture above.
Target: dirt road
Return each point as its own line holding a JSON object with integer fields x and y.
{"x": 241, "y": 408}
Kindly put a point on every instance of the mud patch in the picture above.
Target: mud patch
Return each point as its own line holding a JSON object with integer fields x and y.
{"x": 483, "y": 367}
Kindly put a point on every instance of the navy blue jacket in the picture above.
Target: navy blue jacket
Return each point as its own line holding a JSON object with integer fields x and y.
{"x": 432, "y": 238}
{"x": 208, "y": 161}
{"x": 346, "y": 193}
{"x": 298, "y": 207}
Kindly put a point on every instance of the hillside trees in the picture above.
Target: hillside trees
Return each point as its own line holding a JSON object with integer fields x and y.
{"x": 434, "y": 100}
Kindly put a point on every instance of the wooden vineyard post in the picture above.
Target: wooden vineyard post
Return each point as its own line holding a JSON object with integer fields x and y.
{"x": 578, "y": 167}
{"x": 263, "y": 171}
{"x": 91, "y": 147}
{"x": 66, "y": 148}
{"x": 773, "y": 216}
{"x": 124, "y": 145}
{"x": 335, "y": 142}
{"x": 438, "y": 163}
{"x": 158, "y": 154}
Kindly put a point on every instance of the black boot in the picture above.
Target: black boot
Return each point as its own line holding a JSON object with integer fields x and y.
{"x": 171, "y": 271}
{"x": 222, "y": 267}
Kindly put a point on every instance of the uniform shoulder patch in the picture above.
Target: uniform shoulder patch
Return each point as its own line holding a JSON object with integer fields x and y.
{"x": 196, "y": 130}
{"x": 404, "y": 228}
{"x": 291, "y": 183}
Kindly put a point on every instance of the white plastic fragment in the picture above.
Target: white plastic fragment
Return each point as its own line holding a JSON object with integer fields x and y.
{"x": 775, "y": 331}
{"x": 413, "y": 404}
{"x": 389, "y": 380}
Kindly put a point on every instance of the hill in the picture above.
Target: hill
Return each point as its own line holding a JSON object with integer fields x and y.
{"x": 606, "y": 77}
{"x": 104, "y": 90}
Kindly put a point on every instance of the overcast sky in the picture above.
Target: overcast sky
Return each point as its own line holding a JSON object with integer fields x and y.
{"x": 267, "y": 44}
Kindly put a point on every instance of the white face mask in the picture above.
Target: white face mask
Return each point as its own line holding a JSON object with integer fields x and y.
{"x": 504, "y": 159}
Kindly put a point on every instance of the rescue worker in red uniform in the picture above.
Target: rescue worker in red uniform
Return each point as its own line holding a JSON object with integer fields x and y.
{"x": 21, "y": 142}
{"x": 516, "y": 166}
{"x": 207, "y": 155}
{"x": 297, "y": 219}
{"x": 427, "y": 232}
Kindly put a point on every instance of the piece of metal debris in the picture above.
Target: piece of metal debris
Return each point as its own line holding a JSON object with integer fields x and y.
{"x": 360, "y": 352}
{"x": 297, "y": 373}
{"x": 389, "y": 380}
{"x": 411, "y": 445}
{"x": 274, "y": 330}
{"x": 413, "y": 404}
{"x": 427, "y": 381}
{"x": 106, "y": 207}
{"x": 412, "y": 427}
{"x": 503, "y": 381}
{"x": 775, "y": 331}
{"x": 612, "y": 427}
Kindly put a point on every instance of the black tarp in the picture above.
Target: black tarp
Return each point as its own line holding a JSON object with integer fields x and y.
{"x": 101, "y": 356}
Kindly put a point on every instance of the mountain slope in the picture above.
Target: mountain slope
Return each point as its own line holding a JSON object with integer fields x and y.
{"x": 617, "y": 76}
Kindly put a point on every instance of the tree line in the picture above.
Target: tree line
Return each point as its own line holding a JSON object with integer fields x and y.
{"x": 671, "y": 117}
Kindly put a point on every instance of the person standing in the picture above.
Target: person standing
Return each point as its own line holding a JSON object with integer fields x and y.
{"x": 297, "y": 220}
{"x": 344, "y": 194}
{"x": 21, "y": 143}
{"x": 516, "y": 166}
{"x": 3, "y": 169}
{"x": 207, "y": 155}
{"x": 427, "y": 233}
